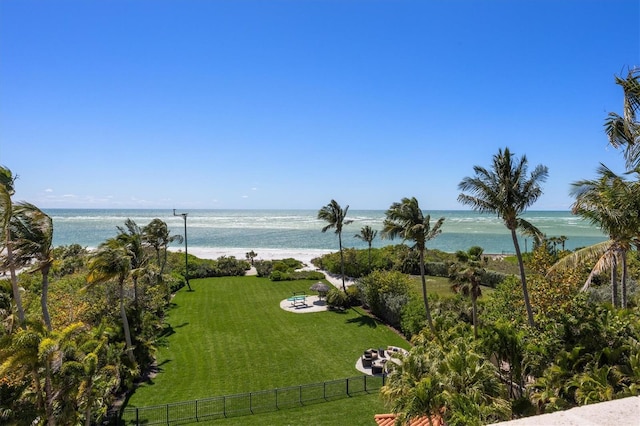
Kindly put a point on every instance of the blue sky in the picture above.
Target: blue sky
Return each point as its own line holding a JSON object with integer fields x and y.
{"x": 287, "y": 104}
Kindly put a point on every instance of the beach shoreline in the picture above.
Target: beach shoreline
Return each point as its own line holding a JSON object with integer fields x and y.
{"x": 303, "y": 255}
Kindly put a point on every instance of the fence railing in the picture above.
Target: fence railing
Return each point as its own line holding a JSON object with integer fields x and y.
{"x": 249, "y": 403}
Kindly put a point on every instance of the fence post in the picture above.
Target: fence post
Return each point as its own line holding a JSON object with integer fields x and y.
{"x": 137, "y": 417}
{"x": 324, "y": 390}
{"x": 224, "y": 406}
{"x": 167, "y": 414}
{"x": 250, "y": 403}
{"x": 300, "y": 394}
{"x": 347, "y": 381}
{"x": 277, "y": 408}
{"x": 196, "y": 410}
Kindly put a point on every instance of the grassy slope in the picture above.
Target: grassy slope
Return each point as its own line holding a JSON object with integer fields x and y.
{"x": 230, "y": 336}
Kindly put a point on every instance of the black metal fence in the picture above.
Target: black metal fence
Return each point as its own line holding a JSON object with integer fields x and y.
{"x": 249, "y": 403}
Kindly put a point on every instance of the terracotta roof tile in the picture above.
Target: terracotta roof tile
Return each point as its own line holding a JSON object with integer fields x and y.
{"x": 390, "y": 420}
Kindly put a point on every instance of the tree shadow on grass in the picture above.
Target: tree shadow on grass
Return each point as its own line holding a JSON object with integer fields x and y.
{"x": 362, "y": 320}
{"x": 167, "y": 331}
{"x": 152, "y": 372}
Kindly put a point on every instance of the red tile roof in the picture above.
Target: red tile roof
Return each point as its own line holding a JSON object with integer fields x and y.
{"x": 390, "y": 420}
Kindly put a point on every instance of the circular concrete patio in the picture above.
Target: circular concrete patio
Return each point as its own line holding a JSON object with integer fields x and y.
{"x": 312, "y": 304}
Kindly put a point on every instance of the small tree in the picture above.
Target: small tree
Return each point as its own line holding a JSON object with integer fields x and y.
{"x": 250, "y": 256}
{"x": 367, "y": 234}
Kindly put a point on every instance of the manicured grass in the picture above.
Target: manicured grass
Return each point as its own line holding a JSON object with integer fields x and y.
{"x": 356, "y": 411}
{"x": 435, "y": 285}
{"x": 438, "y": 285}
{"x": 230, "y": 336}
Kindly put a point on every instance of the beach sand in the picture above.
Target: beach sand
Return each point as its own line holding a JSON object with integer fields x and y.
{"x": 303, "y": 255}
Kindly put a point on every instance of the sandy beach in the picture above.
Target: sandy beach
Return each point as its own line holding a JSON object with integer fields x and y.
{"x": 303, "y": 255}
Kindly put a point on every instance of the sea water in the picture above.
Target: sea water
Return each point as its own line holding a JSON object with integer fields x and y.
{"x": 300, "y": 229}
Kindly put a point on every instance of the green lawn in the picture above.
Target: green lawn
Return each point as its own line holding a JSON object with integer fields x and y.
{"x": 356, "y": 411}
{"x": 230, "y": 336}
{"x": 438, "y": 285}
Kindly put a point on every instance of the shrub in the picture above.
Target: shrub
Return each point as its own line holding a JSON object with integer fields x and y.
{"x": 230, "y": 267}
{"x": 437, "y": 269}
{"x": 492, "y": 278}
{"x": 306, "y": 275}
{"x": 276, "y": 276}
{"x": 385, "y": 293}
{"x": 263, "y": 267}
{"x": 414, "y": 317}
{"x": 337, "y": 299}
{"x": 354, "y": 297}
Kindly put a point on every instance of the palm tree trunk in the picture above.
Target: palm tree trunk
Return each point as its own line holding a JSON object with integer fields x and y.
{"x": 87, "y": 415}
{"x": 36, "y": 383}
{"x": 17, "y": 298}
{"x": 87, "y": 410}
{"x": 474, "y": 306}
{"x": 48, "y": 391}
{"x": 135, "y": 291}
{"x": 523, "y": 279}
{"x": 162, "y": 263}
{"x": 344, "y": 287}
{"x": 125, "y": 326}
{"x": 614, "y": 280}
{"x": 424, "y": 293}
{"x": 44, "y": 296}
{"x": 623, "y": 258}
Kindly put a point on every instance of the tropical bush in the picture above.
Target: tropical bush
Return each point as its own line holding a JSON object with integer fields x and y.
{"x": 385, "y": 293}
{"x": 337, "y": 299}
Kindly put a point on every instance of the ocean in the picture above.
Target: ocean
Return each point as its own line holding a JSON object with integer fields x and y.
{"x": 301, "y": 230}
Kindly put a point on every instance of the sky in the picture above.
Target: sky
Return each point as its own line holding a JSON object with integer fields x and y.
{"x": 287, "y": 104}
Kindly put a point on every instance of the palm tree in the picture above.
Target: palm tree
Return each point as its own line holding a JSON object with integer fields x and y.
{"x": 611, "y": 203}
{"x": 334, "y": 215}
{"x": 406, "y": 220}
{"x": 101, "y": 375}
{"x": 562, "y": 239}
{"x": 6, "y": 211}
{"x": 624, "y": 131}
{"x": 156, "y": 235}
{"x": 131, "y": 238}
{"x": 466, "y": 279}
{"x": 367, "y": 234}
{"x": 507, "y": 191}
{"x": 33, "y": 239}
{"x": 112, "y": 260}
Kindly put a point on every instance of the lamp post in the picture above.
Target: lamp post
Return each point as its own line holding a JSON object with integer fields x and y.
{"x": 186, "y": 257}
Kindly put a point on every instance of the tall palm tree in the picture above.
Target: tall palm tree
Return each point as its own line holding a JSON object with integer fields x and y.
{"x": 611, "y": 203}
{"x": 624, "y": 131}
{"x": 33, "y": 240}
{"x": 130, "y": 236}
{"x": 334, "y": 215}
{"x": 111, "y": 260}
{"x": 367, "y": 234}
{"x": 507, "y": 190}
{"x": 6, "y": 211}
{"x": 156, "y": 235}
{"x": 405, "y": 219}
